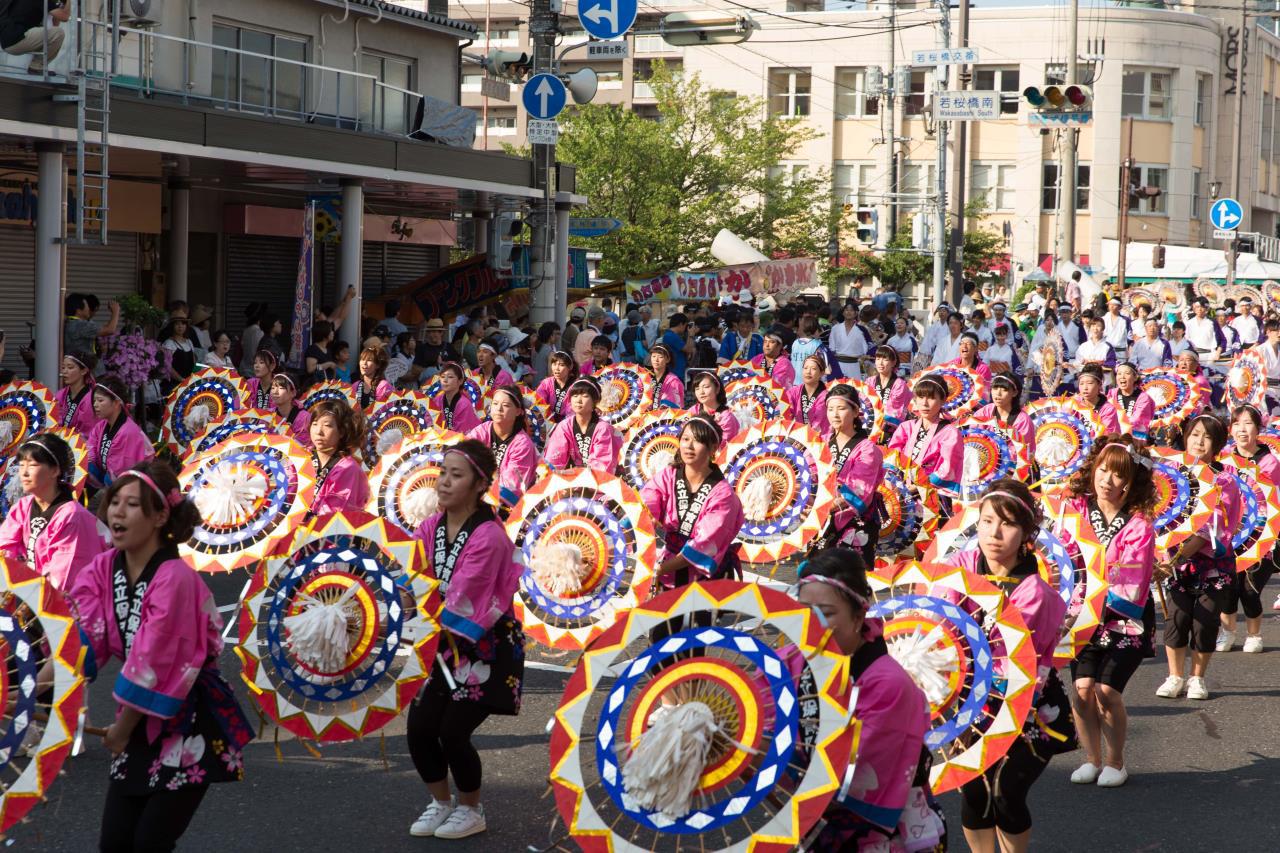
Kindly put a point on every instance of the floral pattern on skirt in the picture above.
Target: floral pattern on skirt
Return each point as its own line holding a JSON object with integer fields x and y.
{"x": 489, "y": 671}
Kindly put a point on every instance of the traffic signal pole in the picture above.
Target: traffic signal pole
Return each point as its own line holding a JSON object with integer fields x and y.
{"x": 1237, "y": 135}
{"x": 544, "y": 279}
{"x": 1125, "y": 191}
{"x": 1070, "y": 139}
{"x": 940, "y": 236}
{"x": 958, "y": 166}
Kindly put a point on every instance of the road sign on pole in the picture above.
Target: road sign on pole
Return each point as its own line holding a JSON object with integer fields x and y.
{"x": 1226, "y": 214}
{"x": 966, "y": 106}
{"x": 544, "y": 96}
{"x": 541, "y": 132}
{"x": 593, "y": 227}
{"x": 607, "y": 19}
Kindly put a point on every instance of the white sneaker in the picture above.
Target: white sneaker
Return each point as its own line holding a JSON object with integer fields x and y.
{"x": 1226, "y": 639}
{"x": 431, "y": 820}
{"x": 1275, "y": 605}
{"x": 1086, "y": 774}
{"x": 464, "y": 821}
{"x": 1253, "y": 644}
{"x": 1112, "y": 778}
{"x": 1196, "y": 688}
{"x": 1171, "y": 687}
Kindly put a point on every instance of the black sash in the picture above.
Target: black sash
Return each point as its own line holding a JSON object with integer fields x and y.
{"x": 688, "y": 509}
{"x": 446, "y": 553}
{"x": 840, "y": 455}
{"x": 128, "y": 598}
{"x": 365, "y": 397}
{"x": 806, "y": 402}
{"x": 560, "y": 391}
{"x": 447, "y": 406}
{"x": 73, "y": 404}
{"x": 108, "y": 435}
{"x": 922, "y": 439}
{"x": 39, "y": 520}
{"x": 322, "y": 471}
{"x": 1106, "y": 532}
{"x": 1127, "y": 403}
{"x": 499, "y": 445}
{"x": 262, "y": 397}
{"x": 294, "y": 411}
{"x": 583, "y": 440}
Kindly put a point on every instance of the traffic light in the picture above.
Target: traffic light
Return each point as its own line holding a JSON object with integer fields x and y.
{"x": 1057, "y": 98}
{"x": 502, "y": 243}
{"x": 511, "y": 64}
{"x": 868, "y": 225}
{"x": 1157, "y": 256}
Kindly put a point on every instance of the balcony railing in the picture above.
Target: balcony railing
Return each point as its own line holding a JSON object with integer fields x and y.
{"x": 641, "y": 89}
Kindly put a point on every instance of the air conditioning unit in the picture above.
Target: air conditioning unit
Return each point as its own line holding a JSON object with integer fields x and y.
{"x": 140, "y": 13}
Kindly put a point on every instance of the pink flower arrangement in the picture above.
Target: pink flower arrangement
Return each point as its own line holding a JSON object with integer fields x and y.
{"x": 136, "y": 359}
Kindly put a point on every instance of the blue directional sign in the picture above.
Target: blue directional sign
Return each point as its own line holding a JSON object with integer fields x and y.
{"x": 1226, "y": 214}
{"x": 607, "y": 19}
{"x": 593, "y": 227}
{"x": 544, "y": 96}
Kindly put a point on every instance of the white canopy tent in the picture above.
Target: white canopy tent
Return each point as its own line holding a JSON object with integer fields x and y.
{"x": 1182, "y": 263}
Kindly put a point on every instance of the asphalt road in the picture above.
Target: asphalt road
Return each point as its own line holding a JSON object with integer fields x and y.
{"x": 1206, "y": 777}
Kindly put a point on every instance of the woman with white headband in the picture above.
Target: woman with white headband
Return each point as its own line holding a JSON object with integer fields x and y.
{"x": 668, "y": 389}
{"x": 859, "y": 465}
{"x": 584, "y": 439}
{"x": 451, "y": 406}
{"x": 1089, "y": 391}
{"x": 1005, "y": 411}
{"x": 116, "y": 443}
{"x": 806, "y": 403}
{"x": 554, "y": 390}
{"x": 929, "y": 441}
{"x": 1130, "y": 400}
{"x": 506, "y": 433}
{"x": 1115, "y": 493}
{"x": 73, "y": 404}
{"x": 773, "y": 362}
{"x": 284, "y": 396}
{"x": 490, "y": 372}
{"x": 709, "y": 399}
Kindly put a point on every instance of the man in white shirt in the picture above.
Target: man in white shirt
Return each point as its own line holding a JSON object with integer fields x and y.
{"x": 847, "y": 343}
{"x": 1270, "y": 350}
{"x": 1071, "y": 330}
{"x": 1116, "y": 328}
{"x": 650, "y": 326}
{"x": 1203, "y": 332}
{"x": 1245, "y": 324}
{"x": 937, "y": 329}
{"x": 1151, "y": 350}
{"x": 978, "y": 326}
{"x": 1039, "y": 297}
{"x": 1097, "y": 351}
{"x": 1228, "y": 332}
{"x": 999, "y": 315}
{"x": 947, "y": 348}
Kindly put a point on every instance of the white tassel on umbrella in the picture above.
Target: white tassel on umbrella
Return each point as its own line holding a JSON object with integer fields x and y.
{"x": 1054, "y": 451}
{"x": 658, "y": 461}
{"x": 6, "y": 432}
{"x": 558, "y": 568}
{"x": 663, "y": 770}
{"x": 389, "y": 440}
{"x": 746, "y": 417}
{"x": 197, "y": 418}
{"x": 929, "y": 663}
{"x": 229, "y": 493}
{"x": 13, "y": 487}
{"x": 1238, "y": 378}
{"x": 318, "y": 634}
{"x": 421, "y": 503}
{"x": 610, "y": 396}
{"x": 757, "y": 498}
{"x": 972, "y": 464}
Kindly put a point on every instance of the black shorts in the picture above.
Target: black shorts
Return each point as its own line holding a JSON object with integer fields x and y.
{"x": 1110, "y": 666}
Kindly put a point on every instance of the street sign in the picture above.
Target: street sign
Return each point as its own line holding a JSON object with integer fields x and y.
{"x": 594, "y": 227}
{"x": 491, "y": 87}
{"x": 954, "y": 56}
{"x": 544, "y": 96}
{"x": 543, "y": 132}
{"x": 966, "y": 106}
{"x": 1226, "y": 214}
{"x": 607, "y": 19}
{"x": 1219, "y": 234}
{"x": 607, "y": 49}
{"x": 1039, "y": 119}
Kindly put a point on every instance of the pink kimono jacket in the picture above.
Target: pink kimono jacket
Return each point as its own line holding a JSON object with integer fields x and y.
{"x": 257, "y": 395}
{"x": 501, "y": 376}
{"x": 1131, "y": 559}
{"x": 82, "y": 420}
{"x": 1021, "y": 429}
{"x": 858, "y": 478}
{"x": 669, "y": 392}
{"x": 941, "y": 458}
{"x": 519, "y": 462}
{"x": 67, "y": 543}
{"x": 384, "y": 390}
{"x": 1268, "y": 463}
{"x": 483, "y": 581}
{"x": 703, "y": 537}
{"x": 782, "y": 371}
{"x": 178, "y": 633}
{"x": 561, "y": 450}
{"x": 981, "y": 368}
{"x": 462, "y": 419}
{"x": 127, "y": 448}
{"x": 1107, "y": 412}
{"x": 897, "y": 400}
{"x": 817, "y": 416}
{"x": 547, "y": 394}
{"x": 727, "y": 420}
{"x": 298, "y": 427}
{"x": 1138, "y": 414}
{"x": 345, "y": 487}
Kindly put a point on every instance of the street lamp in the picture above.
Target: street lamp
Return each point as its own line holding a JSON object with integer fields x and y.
{"x": 1214, "y": 188}
{"x": 690, "y": 29}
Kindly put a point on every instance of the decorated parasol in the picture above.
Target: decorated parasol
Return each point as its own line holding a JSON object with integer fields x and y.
{"x": 1132, "y": 297}
{"x": 25, "y": 409}
{"x": 1066, "y": 431}
{"x": 1070, "y": 558}
{"x": 910, "y": 515}
{"x": 11, "y": 487}
{"x": 626, "y": 393}
{"x": 402, "y": 485}
{"x": 784, "y": 475}
{"x": 204, "y": 397}
{"x": 245, "y": 422}
{"x": 1247, "y": 381}
{"x": 1176, "y": 397}
{"x": 1271, "y": 290}
{"x": 966, "y": 389}
{"x": 1170, "y": 293}
{"x": 1269, "y": 436}
{"x": 737, "y": 369}
{"x": 989, "y": 455}
{"x": 42, "y": 722}
{"x": 774, "y": 747}
{"x": 1185, "y": 496}
{"x": 330, "y": 389}
{"x": 253, "y": 492}
{"x": 1259, "y": 527}
{"x": 1051, "y": 362}
{"x": 589, "y": 551}
{"x": 1207, "y": 288}
{"x": 402, "y": 415}
{"x": 755, "y": 401}
{"x": 871, "y": 403}
{"x": 1244, "y": 291}
{"x": 537, "y": 416}
{"x": 651, "y": 444}
{"x": 321, "y": 625}
{"x": 970, "y": 652}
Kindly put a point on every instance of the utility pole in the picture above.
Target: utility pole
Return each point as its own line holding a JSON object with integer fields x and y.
{"x": 887, "y": 228}
{"x": 1070, "y": 141}
{"x": 940, "y": 229}
{"x": 484, "y": 100}
{"x": 544, "y": 281}
{"x": 1126, "y": 188}
{"x": 958, "y": 167}
{"x": 1237, "y": 136}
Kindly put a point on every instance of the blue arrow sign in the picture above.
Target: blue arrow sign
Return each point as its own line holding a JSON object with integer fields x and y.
{"x": 1227, "y": 214}
{"x": 544, "y": 96}
{"x": 593, "y": 227}
{"x": 607, "y": 19}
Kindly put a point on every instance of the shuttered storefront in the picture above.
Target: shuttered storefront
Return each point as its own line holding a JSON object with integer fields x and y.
{"x": 260, "y": 269}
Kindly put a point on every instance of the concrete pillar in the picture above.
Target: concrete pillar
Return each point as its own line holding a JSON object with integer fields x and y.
{"x": 562, "y": 260}
{"x": 49, "y": 263}
{"x": 350, "y": 255}
{"x": 179, "y": 236}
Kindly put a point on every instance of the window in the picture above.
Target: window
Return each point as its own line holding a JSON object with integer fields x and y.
{"x": 852, "y": 183}
{"x": 853, "y": 100}
{"x": 789, "y": 173}
{"x": 1146, "y": 94}
{"x": 381, "y": 107}
{"x": 1151, "y": 176}
{"x": 499, "y": 124}
{"x": 916, "y": 185}
{"x": 1049, "y": 187}
{"x": 1002, "y": 80}
{"x": 509, "y": 35}
{"x": 471, "y": 82}
{"x": 914, "y": 102}
{"x": 993, "y": 184}
{"x": 1204, "y": 96}
{"x": 257, "y": 84}
{"x": 789, "y": 90}
{"x": 1196, "y": 200}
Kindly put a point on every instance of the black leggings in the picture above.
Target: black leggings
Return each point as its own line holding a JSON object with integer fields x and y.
{"x": 998, "y": 798}
{"x": 148, "y": 824}
{"x": 1246, "y": 594}
{"x": 439, "y": 732}
{"x": 1194, "y": 619}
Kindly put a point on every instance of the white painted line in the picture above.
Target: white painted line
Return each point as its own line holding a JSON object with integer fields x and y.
{"x": 549, "y": 667}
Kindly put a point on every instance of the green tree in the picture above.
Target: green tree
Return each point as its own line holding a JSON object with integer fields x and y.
{"x": 704, "y": 164}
